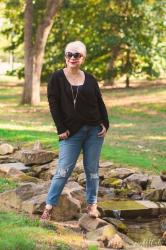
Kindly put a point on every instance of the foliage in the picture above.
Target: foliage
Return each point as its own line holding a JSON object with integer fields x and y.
{"x": 111, "y": 24}
{"x": 135, "y": 28}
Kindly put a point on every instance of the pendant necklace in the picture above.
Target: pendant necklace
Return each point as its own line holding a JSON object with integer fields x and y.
{"x": 74, "y": 98}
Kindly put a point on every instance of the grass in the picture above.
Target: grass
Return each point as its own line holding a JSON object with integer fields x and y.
{"x": 18, "y": 232}
{"x": 137, "y": 134}
{"x": 6, "y": 184}
{"x": 93, "y": 247}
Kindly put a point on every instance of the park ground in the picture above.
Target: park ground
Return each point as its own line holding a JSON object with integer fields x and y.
{"x": 136, "y": 138}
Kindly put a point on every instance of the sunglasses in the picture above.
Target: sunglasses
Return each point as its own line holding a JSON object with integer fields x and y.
{"x": 75, "y": 55}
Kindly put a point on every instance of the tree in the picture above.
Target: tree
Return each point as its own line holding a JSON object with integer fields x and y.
{"x": 123, "y": 38}
{"x": 34, "y": 49}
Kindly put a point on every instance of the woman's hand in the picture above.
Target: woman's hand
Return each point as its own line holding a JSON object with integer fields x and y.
{"x": 64, "y": 135}
{"x": 103, "y": 132}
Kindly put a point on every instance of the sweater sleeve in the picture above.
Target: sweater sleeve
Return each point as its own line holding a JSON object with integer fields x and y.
{"x": 53, "y": 95}
{"x": 102, "y": 107}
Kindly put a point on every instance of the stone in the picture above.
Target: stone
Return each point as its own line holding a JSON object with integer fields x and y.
{"x": 106, "y": 192}
{"x": 87, "y": 223}
{"x": 17, "y": 175}
{"x": 105, "y": 235}
{"x": 164, "y": 195}
{"x": 137, "y": 180}
{"x": 48, "y": 173}
{"x": 112, "y": 182}
{"x": 37, "y": 145}
{"x": 73, "y": 177}
{"x": 25, "y": 178}
{"x": 156, "y": 182}
{"x": 163, "y": 175}
{"x": 6, "y": 148}
{"x": 68, "y": 207}
{"x": 121, "y": 173}
{"x": 7, "y": 159}
{"x": 103, "y": 173}
{"x": 14, "y": 198}
{"x": 38, "y": 157}
{"x": 82, "y": 179}
{"x": 153, "y": 195}
{"x": 130, "y": 208}
{"x": 106, "y": 231}
{"x": 105, "y": 164}
{"x": 5, "y": 167}
{"x": 135, "y": 196}
{"x": 79, "y": 168}
{"x": 40, "y": 168}
{"x": 76, "y": 191}
{"x": 122, "y": 192}
{"x": 156, "y": 190}
{"x": 30, "y": 198}
{"x": 119, "y": 225}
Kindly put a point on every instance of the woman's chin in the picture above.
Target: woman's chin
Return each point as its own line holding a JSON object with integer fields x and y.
{"x": 73, "y": 65}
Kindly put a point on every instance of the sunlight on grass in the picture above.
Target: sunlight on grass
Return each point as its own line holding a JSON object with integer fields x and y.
{"x": 30, "y": 128}
{"x": 123, "y": 125}
{"x": 28, "y": 137}
{"x": 152, "y": 137}
{"x": 7, "y": 79}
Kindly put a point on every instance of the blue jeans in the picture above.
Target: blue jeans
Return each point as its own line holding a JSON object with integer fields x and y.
{"x": 87, "y": 140}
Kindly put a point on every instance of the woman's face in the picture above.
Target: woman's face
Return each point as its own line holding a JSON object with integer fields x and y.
{"x": 74, "y": 58}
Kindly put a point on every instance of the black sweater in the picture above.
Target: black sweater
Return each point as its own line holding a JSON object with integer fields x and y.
{"x": 89, "y": 109}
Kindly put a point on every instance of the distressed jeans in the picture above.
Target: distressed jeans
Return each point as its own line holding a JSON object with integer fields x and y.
{"x": 85, "y": 139}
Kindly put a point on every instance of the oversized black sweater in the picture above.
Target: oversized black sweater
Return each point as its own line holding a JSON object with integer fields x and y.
{"x": 89, "y": 109}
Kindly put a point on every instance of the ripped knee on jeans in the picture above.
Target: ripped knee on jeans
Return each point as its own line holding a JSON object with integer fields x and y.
{"x": 62, "y": 172}
{"x": 94, "y": 175}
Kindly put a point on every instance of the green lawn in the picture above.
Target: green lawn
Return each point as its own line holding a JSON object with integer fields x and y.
{"x": 137, "y": 134}
{"x": 18, "y": 232}
{"x": 6, "y": 184}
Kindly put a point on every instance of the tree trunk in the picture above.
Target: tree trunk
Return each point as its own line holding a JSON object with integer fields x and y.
{"x": 127, "y": 81}
{"x": 110, "y": 65}
{"x": 38, "y": 50}
{"x": 128, "y": 63}
{"x": 28, "y": 52}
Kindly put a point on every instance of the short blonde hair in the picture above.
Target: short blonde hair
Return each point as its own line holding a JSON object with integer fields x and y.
{"x": 77, "y": 46}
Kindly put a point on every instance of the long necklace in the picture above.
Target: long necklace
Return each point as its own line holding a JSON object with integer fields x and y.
{"x": 74, "y": 98}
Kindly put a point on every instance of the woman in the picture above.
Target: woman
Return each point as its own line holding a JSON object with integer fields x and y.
{"x": 81, "y": 120}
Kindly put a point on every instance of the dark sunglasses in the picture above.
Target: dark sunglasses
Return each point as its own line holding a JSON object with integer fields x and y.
{"x": 75, "y": 55}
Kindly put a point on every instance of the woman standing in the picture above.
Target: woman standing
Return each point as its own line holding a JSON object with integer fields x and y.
{"x": 81, "y": 120}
